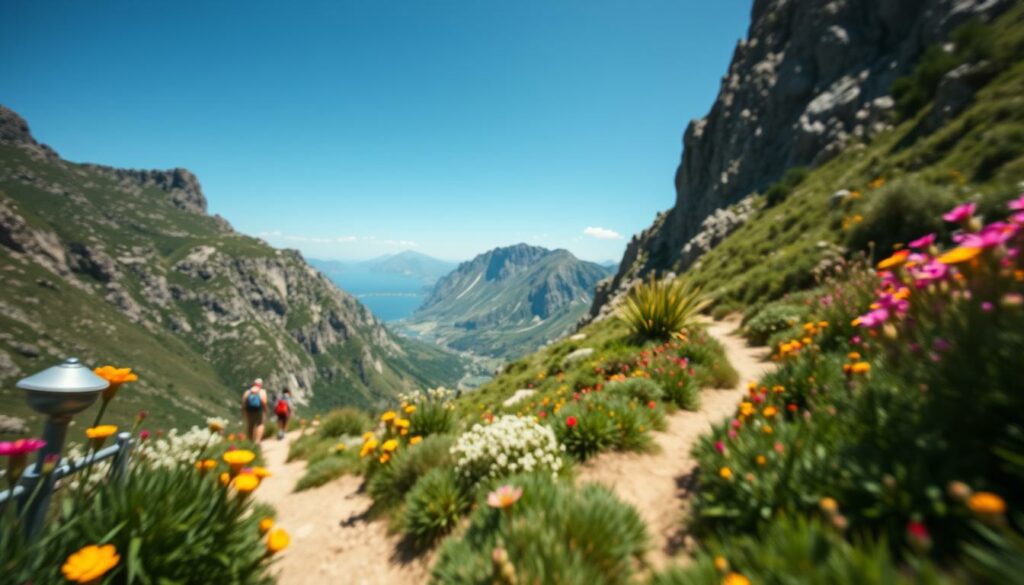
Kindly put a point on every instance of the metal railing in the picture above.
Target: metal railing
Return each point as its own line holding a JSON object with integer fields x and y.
{"x": 29, "y": 492}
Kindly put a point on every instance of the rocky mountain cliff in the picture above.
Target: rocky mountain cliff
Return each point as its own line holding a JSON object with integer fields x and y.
{"x": 125, "y": 266}
{"x": 811, "y": 78}
{"x": 508, "y": 300}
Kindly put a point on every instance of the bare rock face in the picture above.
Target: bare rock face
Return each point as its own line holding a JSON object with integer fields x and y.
{"x": 14, "y": 130}
{"x": 810, "y": 77}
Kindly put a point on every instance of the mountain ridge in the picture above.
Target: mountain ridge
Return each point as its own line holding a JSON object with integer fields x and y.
{"x": 507, "y": 300}
{"x": 125, "y": 266}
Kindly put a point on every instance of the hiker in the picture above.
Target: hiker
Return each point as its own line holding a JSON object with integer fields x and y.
{"x": 254, "y": 407}
{"x": 283, "y": 410}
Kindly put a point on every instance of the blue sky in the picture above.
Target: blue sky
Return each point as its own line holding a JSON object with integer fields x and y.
{"x": 355, "y": 128}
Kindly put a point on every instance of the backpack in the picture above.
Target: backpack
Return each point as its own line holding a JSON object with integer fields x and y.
{"x": 253, "y": 400}
{"x": 282, "y": 407}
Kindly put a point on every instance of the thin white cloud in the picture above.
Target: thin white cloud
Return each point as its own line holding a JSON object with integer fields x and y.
{"x": 602, "y": 233}
{"x": 400, "y": 243}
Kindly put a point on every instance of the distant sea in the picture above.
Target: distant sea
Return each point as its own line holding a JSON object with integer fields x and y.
{"x": 389, "y": 296}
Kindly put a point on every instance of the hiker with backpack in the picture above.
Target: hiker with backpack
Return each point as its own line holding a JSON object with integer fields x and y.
{"x": 254, "y": 407}
{"x": 283, "y": 410}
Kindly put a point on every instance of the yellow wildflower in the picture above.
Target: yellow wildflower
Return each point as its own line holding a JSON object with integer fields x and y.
{"x": 389, "y": 446}
{"x": 725, "y": 473}
{"x": 415, "y": 440}
{"x": 238, "y": 459}
{"x": 987, "y": 505}
{"x": 388, "y": 416}
{"x": 735, "y": 579}
{"x": 410, "y": 409}
{"x": 277, "y": 541}
{"x": 246, "y": 483}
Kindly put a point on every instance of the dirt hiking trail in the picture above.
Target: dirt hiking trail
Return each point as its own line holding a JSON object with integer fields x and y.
{"x": 333, "y": 541}
{"x": 659, "y": 485}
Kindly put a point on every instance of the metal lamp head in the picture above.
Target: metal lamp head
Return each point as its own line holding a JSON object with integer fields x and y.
{"x": 64, "y": 390}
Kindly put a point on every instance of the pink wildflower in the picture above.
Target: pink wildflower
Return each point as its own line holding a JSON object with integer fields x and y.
{"x": 504, "y": 497}
{"x": 922, "y": 242}
{"x": 960, "y": 213}
{"x": 20, "y": 447}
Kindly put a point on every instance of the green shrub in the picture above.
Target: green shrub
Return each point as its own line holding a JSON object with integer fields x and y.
{"x": 771, "y": 319}
{"x": 641, "y": 389}
{"x": 657, "y": 309}
{"x": 389, "y": 485}
{"x": 555, "y": 533}
{"x": 675, "y": 376}
{"x": 328, "y": 468}
{"x": 800, "y": 551}
{"x": 433, "y": 506}
{"x": 706, "y": 353}
{"x": 792, "y": 178}
{"x": 169, "y": 525}
{"x": 583, "y": 431}
{"x": 432, "y": 418}
{"x": 973, "y": 42}
{"x": 899, "y": 212}
{"x": 343, "y": 422}
{"x": 312, "y": 446}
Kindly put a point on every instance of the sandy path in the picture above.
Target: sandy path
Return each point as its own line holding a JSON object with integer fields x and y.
{"x": 331, "y": 539}
{"x": 659, "y": 484}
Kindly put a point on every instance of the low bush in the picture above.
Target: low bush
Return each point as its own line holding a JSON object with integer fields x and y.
{"x": 327, "y": 468}
{"x": 607, "y": 420}
{"x": 771, "y": 319}
{"x": 899, "y": 212}
{"x": 344, "y": 422}
{"x": 432, "y": 418}
{"x": 641, "y": 389}
{"x": 554, "y": 533}
{"x": 433, "y": 507}
{"x": 799, "y": 551}
{"x": 390, "y": 484}
{"x": 658, "y": 309}
{"x": 781, "y": 189}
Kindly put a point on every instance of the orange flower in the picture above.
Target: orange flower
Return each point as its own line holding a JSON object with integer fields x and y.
{"x": 958, "y": 255}
{"x": 98, "y": 435}
{"x": 415, "y": 440}
{"x": 725, "y": 473}
{"x": 987, "y": 505}
{"x": 266, "y": 524}
{"x": 761, "y": 460}
{"x": 735, "y": 579}
{"x": 90, "y": 563}
{"x": 261, "y": 472}
{"x": 860, "y": 368}
{"x": 893, "y": 261}
{"x": 770, "y": 411}
{"x": 115, "y": 377}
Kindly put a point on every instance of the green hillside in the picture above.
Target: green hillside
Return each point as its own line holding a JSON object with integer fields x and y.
{"x": 114, "y": 267}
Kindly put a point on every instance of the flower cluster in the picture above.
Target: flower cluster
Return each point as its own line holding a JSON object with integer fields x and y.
{"x": 176, "y": 448}
{"x": 956, "y": 275}
{"x": 505, "y": 447}
{"x": 795, "y": 346}
{"x": 439, "y": 394}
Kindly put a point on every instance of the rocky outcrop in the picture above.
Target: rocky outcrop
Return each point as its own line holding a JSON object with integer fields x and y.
{"x": 811, "y": 77}
{"x": 180, "y": 185}
{"x": 14, "y": 130}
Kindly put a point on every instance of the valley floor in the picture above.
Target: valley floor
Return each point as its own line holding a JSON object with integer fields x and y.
{"x": 334, "y": 541}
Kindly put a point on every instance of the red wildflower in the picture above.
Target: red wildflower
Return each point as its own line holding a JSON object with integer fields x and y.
{"x": 570, "y": 421}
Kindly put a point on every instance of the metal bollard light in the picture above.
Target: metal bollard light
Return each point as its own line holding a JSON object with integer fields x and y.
{"x": 59, "y": 393}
